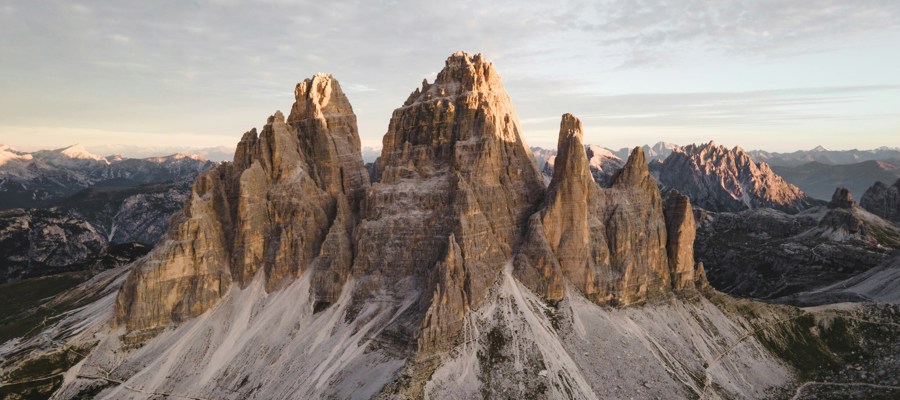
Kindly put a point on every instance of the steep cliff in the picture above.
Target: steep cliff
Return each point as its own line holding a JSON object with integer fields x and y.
{"x": 286, "y": 204}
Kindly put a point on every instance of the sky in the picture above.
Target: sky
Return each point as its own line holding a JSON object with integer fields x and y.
{"x": 778, "y": 75}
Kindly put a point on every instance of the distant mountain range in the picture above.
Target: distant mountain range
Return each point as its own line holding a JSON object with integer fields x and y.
{"x": 819, "y": 180}
{"x": 822, "y": 155}
{"x": 217, "y": 153}
{"x": 817, "y": 172}
{"x": 42, "y": 178}
{"x": 69, "y": 210}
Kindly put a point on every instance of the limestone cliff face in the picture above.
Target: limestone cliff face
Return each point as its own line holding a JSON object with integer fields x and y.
{"x": 609, "y": 243}
{"x": 287, "y": 203}
{"x": 186, "y": 273}
{"x": 458, "y": 197}
{"x": 454, "y": 166}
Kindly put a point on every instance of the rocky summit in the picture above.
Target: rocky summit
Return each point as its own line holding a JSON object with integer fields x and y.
{"x": 448, "y": 270}
{"x": 287, "y": 204}
{"x": 716, "y": 178}
{"x": 883, "y": 201}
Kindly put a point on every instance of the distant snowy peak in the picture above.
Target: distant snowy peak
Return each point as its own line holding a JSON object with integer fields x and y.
{"x": 600, "y": 152}
{"x": 175, "y": 157}
{"x": 39, "y": 178}
{"x": 8, "y": 153}
{"x": 71, "y": 156}
{"x": 822, "y": 155}
{"x": 79, "y": 152}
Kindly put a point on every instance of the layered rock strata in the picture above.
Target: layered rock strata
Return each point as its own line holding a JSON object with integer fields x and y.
{"x": 456, "y": 182}
{"x": 458, "y": 197}
{"x": 609, "y": 243}
{"x": 286, "y": 204}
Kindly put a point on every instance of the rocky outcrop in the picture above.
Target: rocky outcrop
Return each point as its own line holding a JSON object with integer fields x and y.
{"x": 841, "y": 199}
{"x": 458, "y": 195}
{"x": 456, "y": 186}
{"x": 681, "y": 231}
{"x": 883, "y": 201}
{"x": 286, "y": 204}
{"x": 609, "y": 243}
{"x": 720, "y": 179}
{"x": 453, "y": 165}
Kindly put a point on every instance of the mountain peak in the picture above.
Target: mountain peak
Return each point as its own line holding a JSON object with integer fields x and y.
{"x": 462, "y": 73}
{"x": 570, "y": 126}
{"x": 819, "y": 148}
{"x": 635, "y": 170}
{"x": 841, "y": 199}
{"x": 317, "y": 96}
{"x": 78, "y": 151}
{"x": 722, "y": 179}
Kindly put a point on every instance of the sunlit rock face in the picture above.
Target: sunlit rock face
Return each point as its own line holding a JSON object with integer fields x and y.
{"x": 288, "y": 203}
{"x": 458, "y": 196}
{"x": 716, "y": 178}
{"x": 456, "y": 182}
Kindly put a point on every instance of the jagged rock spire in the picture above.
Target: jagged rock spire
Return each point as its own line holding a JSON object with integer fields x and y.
{"x": 609, "y": 243}
{"x": 290, "y": 197}
{"x": 681, "y": 231}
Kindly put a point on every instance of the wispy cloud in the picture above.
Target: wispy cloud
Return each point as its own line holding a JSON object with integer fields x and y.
{"x": 221, "y": 66}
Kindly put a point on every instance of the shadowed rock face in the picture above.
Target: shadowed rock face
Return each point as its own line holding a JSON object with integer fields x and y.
{"x": 768, "y": 254}
{"x": 681, "y": 231}
{"x": 883, "y": 201}
{"x": 841, "y": 199}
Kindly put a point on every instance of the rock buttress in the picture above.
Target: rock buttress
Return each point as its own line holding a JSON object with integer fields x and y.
{"x": 287, "y": 203}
